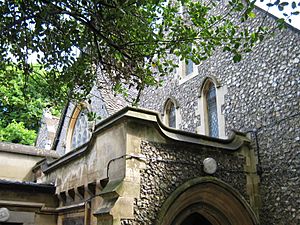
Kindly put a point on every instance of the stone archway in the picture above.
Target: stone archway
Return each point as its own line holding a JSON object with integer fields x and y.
{"x": 206, "y": 201}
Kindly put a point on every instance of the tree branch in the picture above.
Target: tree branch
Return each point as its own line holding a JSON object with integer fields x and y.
{"x": 89, "y": 24}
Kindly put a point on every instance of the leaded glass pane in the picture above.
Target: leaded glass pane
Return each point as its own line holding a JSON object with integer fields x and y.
{"x": 81, "y": 132}
{"x": 212, "y": 111}
{"x": 172, "y": 115}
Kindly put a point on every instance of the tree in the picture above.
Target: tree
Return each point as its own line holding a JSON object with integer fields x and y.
{"x": 125, "y": 39}
{"x": 16, "y": 133}
{"x": 21, "y": 105}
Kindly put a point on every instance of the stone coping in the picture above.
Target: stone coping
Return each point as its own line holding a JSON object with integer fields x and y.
{"x": 26, "y": 150}
{"x": 151, "y": 117}
{"x": 236, "y": 140}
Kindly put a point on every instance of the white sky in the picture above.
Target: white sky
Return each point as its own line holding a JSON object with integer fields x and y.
{"x": 287, "y": 9}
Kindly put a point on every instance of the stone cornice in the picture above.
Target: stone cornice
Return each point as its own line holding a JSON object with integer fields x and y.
{"x": 147, "y": 116}
{"x": 27, "y": 150}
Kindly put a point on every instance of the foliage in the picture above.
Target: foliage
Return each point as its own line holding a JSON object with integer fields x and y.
{"x": 21, "y": 104}
{"x": 92, "y": 116}
{"x": 125, "y": 39}
{"x": 17, "y": 133}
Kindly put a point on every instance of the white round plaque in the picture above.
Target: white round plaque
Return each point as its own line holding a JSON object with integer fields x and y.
{"x": 209, "y": 165}
{"x": 4, "y": 214}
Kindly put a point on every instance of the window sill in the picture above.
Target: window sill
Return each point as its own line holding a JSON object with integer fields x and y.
{"x": 187, "y": 77}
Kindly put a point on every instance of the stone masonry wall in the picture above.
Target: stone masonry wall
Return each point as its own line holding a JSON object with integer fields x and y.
{"x": 263, "y": 92}
{"x": 46, "y": 131}
{"x": 174, "y": 164}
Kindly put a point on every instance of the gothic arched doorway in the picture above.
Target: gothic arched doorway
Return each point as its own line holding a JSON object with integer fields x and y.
{"x": 206, "y": 201}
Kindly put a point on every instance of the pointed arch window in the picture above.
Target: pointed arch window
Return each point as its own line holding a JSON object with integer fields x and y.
{"x": 212, "y": 113}
{"x": 81, "y": 133}
{"x": 78, "y": 132}
{"x": 210, "y": 102}
{"x": 170, "y": 117}
{"x": 171, "y": 114}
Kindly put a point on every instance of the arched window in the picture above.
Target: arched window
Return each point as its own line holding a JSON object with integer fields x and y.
{"x": 81, "y": 133}
{"x": 171, "y": 113}
{"x": 78, "y": 132}
{"x": 212, "y": 113}
{"x": 211, "y": 99}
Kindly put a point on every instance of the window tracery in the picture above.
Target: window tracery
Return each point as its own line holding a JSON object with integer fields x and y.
{"x": 81, "y": 133}
{"x": 78, "y": 131}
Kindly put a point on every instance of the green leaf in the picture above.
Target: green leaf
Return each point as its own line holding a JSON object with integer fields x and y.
{"x": 284, "y": 4}
{"x": 121, "y": 38}
{"x": 252, "y": 15}
{"x": 277, "y": 2}
{"x": 17, "y": 133}
{"x": 226, "y": 48}
{"x": 237, "y": 57}
{"x": 23, "y": 105}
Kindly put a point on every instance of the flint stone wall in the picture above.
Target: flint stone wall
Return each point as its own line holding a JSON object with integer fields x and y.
{"x": 173, "y": 165}
{"x": 264, "y": 94}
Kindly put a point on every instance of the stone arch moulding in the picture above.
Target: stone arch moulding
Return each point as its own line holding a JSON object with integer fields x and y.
{"x": 172, "y": 99}
{"x": 206, "y": 79}
{"x": 71, "y": 126}
{"x": 211, "y": 198}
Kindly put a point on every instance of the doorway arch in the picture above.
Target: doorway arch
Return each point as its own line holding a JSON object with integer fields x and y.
{"x": 207, "y": 201}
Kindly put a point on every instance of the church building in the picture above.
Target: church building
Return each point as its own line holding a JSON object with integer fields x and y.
{"x": 217, "y": 144}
